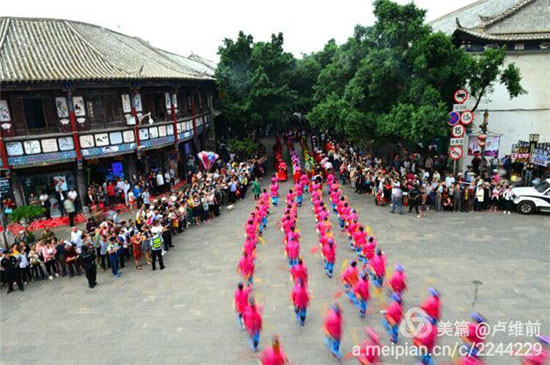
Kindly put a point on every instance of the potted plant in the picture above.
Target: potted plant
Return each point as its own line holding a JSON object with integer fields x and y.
{"x": 26, "y": 214}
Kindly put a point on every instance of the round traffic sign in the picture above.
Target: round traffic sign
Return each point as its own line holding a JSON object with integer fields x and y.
{"x": 460, "y": 96}
{"x": 453, "y": 119}
{"x": 456, "y": 152}
{"x": 467, "y": 117}
{"x": 458, "y": 131}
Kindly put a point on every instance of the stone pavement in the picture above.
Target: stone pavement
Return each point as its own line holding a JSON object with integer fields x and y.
{"x": 184, "y": 314}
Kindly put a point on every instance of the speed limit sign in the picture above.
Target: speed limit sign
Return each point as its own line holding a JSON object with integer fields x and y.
{"x": 458, "y": 131}
{"x": 467, "y": 117}
{"x": 456, "y": 152}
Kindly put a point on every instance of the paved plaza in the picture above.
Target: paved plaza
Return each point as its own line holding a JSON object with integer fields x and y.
{"x": 184, "y": 314}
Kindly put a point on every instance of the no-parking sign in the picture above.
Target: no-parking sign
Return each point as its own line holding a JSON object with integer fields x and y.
{"x": 460, "y": 96}
{"x": 458, "y": 131}
{"x": 467, "y": 117}
{"x": 453, "y": 118}
{"x": 456, "y": 152}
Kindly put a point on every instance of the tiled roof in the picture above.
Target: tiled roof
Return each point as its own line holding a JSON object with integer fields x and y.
{"x": 193, "y": 62}
{"x": 524, "y": 20}
{"x": 472, "y": 15}
{"x": 34, "y": 49}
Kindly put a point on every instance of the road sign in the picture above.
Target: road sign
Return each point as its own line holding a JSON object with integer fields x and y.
{"x": 459, "y": 107}
{"x": 453, "y": 119}
{"x": 458, "y": 131}
{"x": 457, "y": 142}
{"x": 456, "y": 152}
{"x": 461, "y": 95}
{"x": 467, "y": 117}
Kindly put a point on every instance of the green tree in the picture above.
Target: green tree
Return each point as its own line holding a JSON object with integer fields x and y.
{"x": 233, "y": 78}
{"x": 396, "y": 79}
{"x": 489, "y": 69}
{"x": 253, "y": 82}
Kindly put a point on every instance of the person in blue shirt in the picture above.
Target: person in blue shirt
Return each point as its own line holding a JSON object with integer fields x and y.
{"x": 137, "y": 193}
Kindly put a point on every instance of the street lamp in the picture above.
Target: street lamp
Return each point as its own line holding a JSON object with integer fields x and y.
{"x": 151, "y": 120}
{"x": 482, "y": 137}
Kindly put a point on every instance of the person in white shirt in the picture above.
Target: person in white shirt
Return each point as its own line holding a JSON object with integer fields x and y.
{"x": 449, "y": 180}
{"x": 167, "y": 181}
{"x": 76, "y": 238}
{"x": 507, "y": 196}
{"x": 72, "y": 194}
{"x": 45, "y": 202}
{"x": 126, "y": 188}
{"x": 120, "y": 189}
{"x": 160, "y": 183}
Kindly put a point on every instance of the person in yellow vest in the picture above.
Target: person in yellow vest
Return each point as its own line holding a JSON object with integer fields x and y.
{"x": 156, "y": 244}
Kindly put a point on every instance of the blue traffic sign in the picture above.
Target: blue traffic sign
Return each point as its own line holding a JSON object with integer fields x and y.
{"x": 453, "y": 119}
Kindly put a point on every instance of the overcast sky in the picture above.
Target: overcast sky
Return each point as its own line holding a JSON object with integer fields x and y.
{"x": 199, "y": 26}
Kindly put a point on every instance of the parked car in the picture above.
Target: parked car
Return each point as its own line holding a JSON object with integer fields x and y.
{"x": 531, "y": 199}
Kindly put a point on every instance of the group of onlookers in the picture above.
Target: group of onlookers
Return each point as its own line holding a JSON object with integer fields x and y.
{"x": 142, "y": 237}
{"x": 418, "y": 182}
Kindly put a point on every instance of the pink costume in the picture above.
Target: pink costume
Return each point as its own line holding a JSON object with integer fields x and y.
{"x": 241, "y": 300}
{"x": 431, "y": 307}
{"x": 270, "y": 356}
{"x": 361, "y": 289}
{"x": 300, "y": 297}
{"x": 379, "y": 265}
{"x": 394, "y": 313}
{"x": 329, "y": 252}
{"x": 397, "y": 282}
{"x": 299, "y": 272}
{"x": 293, "y": 249}
{"x": 252, "y": 319}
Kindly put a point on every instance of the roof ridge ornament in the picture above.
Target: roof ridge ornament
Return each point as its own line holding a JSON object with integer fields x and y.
{"x": 511, "y": 10}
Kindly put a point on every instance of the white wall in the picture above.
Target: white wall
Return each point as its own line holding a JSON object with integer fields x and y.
{"x": 516, "y": 118}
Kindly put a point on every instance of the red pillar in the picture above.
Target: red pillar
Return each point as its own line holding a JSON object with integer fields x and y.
{"x": 136, "y": 125}
{"x": 72, "y": 118}
{"x": 174, "y": 117}
{"x": 3, "y": 153}
{"x": 194, "y": 114}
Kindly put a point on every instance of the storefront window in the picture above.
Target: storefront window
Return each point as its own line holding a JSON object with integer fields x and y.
{"x": 107, "y": 170}
{"x": 50, "y": 183}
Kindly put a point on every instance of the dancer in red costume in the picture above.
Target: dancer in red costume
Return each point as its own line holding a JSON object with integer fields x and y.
{"x": 241, "y": 302}
{"x": 333, "y": 329}
{"x": 274, "y": 354}
{"x": 398, "y": 280}
{"x": 300, "y": 300}
{"x": 368, "y": 353}
{"x": 432, "y": 305}
{"x": 253, "y": 324}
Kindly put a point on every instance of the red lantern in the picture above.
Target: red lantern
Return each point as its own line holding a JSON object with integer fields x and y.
{"x": 481, "y": 143}
{"x": 482, "y": 137}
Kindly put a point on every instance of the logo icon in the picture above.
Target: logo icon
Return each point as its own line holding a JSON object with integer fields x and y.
{"x": 415, "y": 324}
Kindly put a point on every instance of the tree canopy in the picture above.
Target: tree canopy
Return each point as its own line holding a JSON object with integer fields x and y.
{"x": 253, "y": 82}
{"x": 393, "y": 80}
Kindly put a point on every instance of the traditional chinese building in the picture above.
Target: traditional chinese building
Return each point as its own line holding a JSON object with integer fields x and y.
{"x": 81, "y": 103}
{"x": 523, "y": 27}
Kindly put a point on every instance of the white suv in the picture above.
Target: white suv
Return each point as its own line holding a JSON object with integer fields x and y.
{"x": 531, "y": 199}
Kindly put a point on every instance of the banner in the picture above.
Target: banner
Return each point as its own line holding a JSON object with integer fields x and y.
{"x": 491, "y": 146}
{"x": 60, "y": 183}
